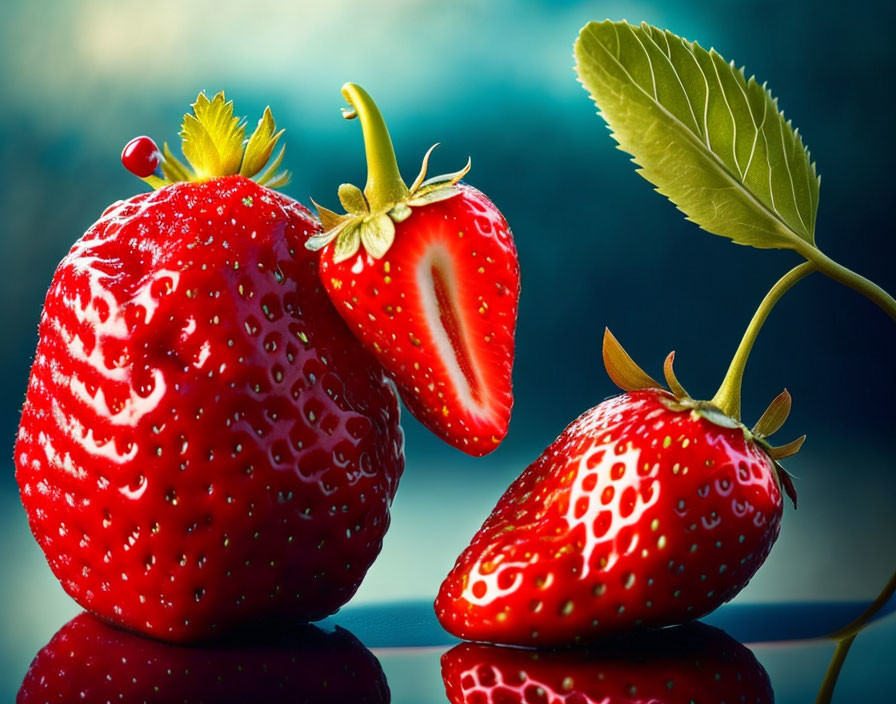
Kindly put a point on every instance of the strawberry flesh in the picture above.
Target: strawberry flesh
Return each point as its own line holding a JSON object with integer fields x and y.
{"x": 637, "y": 515}
{"x": 439, "y": 313}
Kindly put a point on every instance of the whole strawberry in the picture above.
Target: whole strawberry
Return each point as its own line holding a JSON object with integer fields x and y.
{"x": 88, "y": 661}
{"x": 685, "y": 665}
{"x": 650, "y": 509}
{"x": 203, "y": 440}
{"x": 427, "y": 277}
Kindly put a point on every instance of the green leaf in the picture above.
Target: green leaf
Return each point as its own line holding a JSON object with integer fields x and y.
{"x": 709, "y": 139}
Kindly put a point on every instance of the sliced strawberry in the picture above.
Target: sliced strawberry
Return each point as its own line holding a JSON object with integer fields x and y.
{"x": 428, "y": 279}
{"x": 439, "y": 311}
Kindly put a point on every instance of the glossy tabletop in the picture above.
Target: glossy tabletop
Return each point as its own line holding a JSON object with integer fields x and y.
{"x": 398, "y": 652}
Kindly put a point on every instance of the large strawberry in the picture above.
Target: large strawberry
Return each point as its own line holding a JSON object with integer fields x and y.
{"x": 685, "y": 665}
{"x": 427, "y": 277}
{"x": 650, "y": 509}
{"x": 88, "y": 661}
{"x": 203, "y": 440}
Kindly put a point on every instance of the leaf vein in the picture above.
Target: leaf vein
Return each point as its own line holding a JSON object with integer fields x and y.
{"x": 796, "y": 205}
{"x": 715, "y": 67}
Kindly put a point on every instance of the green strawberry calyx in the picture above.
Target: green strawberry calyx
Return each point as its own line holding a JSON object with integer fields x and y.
{"x": 371, "y": 214}
{"x": 214, "y": 144}
{"x": 627, "y": 375}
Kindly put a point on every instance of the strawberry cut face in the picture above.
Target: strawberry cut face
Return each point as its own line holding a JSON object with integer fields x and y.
{"x": 637, "y": 515}
{"x": 439, "y": 310}
{"x": 203, "y": 440}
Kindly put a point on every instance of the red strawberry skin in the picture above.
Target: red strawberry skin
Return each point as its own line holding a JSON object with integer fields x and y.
{"x": 637, "y": 515}
{"x": 693, "y": 663}
{"x": 203, "y": 440}
{"x": 439, "y": 312}
{"x": 88, "y": 661}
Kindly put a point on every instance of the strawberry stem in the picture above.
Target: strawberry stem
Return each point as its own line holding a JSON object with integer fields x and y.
{"x": 385, "y": 186}
{"x": 852, "y": 629}
{"x": 833, "y": 672}
{"x": 845, "y": 636}
{"x": 727, "y": 398}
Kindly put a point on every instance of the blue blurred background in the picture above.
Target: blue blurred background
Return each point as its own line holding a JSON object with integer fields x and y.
{"x": 597, "y": 247}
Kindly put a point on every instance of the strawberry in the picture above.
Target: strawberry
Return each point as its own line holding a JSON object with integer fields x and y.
{"x": 427, "y": 277}
{"x": 650, "y": 509}
{"x": 693, "y": 663}
{"x": 88, "y": 661}
{"x": 203, "y": 440}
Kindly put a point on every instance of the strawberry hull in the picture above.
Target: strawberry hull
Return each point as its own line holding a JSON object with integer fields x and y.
{"x": 203, "y": 440}
{"x": 637, "y": 515}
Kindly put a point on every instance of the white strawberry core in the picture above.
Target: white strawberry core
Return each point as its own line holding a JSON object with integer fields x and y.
{"x": 437, "y": 284}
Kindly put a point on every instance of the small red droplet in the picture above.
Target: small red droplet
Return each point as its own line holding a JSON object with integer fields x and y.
{"x": 141, "y": 156}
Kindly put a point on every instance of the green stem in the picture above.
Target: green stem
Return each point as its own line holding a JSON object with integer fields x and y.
{"x": 853, "y": 628}
{"x": 869, "y": 289}
{"x": 727, "y": 398}
{"x": 384, "y": 183}
{"x": 846, "y": 635}
{"x": 833, "y": 672}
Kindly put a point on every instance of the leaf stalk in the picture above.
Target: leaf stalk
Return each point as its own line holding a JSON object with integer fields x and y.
{"x": 847, "y": 277}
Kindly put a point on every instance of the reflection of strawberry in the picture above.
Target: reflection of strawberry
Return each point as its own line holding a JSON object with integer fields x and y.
{"x": 693, "y": 663}
{"x": 87, "y": 661}
{"x": 428, "y": 280}
{"x": 203, "y": 440}
{"x": 650, "y": 509}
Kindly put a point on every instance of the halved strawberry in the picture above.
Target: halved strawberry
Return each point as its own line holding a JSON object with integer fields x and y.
{"x": 427, "y": 278}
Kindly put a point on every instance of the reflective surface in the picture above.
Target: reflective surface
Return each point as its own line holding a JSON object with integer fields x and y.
{"x": 91, "y": 662}
{"x": 407, "y": 658}
{"x": 686, "y": 664}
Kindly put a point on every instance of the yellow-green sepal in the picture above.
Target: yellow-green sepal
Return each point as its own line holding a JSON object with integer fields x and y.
{"x": 260, "y": 145}
{"x": 213, "y": 137}
{"x": 375, "y": 231}
{"x": 622, "y": 369}
{"x": 214, "y": 144}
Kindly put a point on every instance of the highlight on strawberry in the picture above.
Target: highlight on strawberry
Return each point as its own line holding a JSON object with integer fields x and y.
{"x": 650, "y": 509}
{"x": 692, "y": 663}
{"x": 427, "y": 277}
{"x": 203, "y": 440}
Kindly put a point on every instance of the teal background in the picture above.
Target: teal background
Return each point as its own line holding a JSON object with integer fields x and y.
{"x": 493, "y": 80}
